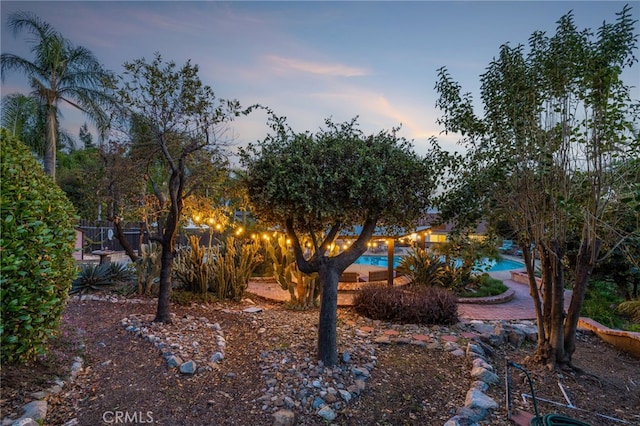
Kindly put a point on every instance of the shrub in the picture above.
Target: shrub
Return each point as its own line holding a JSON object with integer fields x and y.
{"x": 416, "y": 305}
{"x": 483, "y": 286}
{"x": 37, "y": 242}
{"x": 423, "y": 268}
{"x": 186, "y": 298}
{"x": 631, "y": 308}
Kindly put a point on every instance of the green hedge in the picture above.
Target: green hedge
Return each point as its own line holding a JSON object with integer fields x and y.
{"x": 36, "y": 247}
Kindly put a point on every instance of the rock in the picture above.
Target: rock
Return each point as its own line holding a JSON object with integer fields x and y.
{"x": 288, "y": 402}
{"x": 382, "y": 340}
{"x": 434, "y": 345}
{"x": 460, "y": 421}
{"x": 327, "y": 413}
{"x": 284, "y": 417}
{"x": 482, "y": 328}
{"x": 188, "y": 367}
{"x": 479, "y": 362}
{"x": 474, "y": 349}
{"x": 345, "y": 395}
{"x": 39, "y": 395}
{"x": 252, "y": 310}
{"x": 451, "y": 346}
{"x": 515, "y": 337}
{"x": 485, "y": 375}
{"x": 25, "y": 422}
{"x": 473, "y": 414}
{"x": 360, "y": 372}
{"x": 479, "y": 385}
{"x": 478, "y": 399}
{"x": 530, "y": 332}
{"x": 216, "y": 356}
{"x": 34, "y": 412}
{"x": 457, "y": 352}
{"x": 318, "y": 402}
{"x": 174, "y": 361}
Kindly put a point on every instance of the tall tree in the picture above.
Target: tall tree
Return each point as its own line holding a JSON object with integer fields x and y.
{"x": 59, "y": 73}
{"x": 557, "y": 121}
{"x": 178, "y": 125}
{"x": 86, "y": 137}
{"x": 23, "y": 118}
{"x": 324, "y": 184}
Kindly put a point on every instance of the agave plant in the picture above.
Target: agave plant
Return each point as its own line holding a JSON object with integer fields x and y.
{"x": 92, "y": 277}
{"x": 100, "y": 277}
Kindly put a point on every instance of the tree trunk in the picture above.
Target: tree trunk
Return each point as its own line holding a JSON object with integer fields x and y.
{"x": 584, "y": 266}
{"x": 164, "y": 290}
{"x": 117, "y": 225}
{"x": 51, "y": 142}
{"x": 556, "y": 299}
{"x": 529, "y": 262}
{"x": 166, "y": 271}
{"x": 327, "y": 328}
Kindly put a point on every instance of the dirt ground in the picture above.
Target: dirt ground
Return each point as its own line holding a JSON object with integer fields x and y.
{"x": 410, "y": 385}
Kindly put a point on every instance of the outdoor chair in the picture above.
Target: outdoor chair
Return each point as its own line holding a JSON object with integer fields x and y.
{"x": 506, "y": 245}
{"x": 349, "y": 277}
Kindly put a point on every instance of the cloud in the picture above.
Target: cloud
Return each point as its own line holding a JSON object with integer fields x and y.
{"x": 327, "y": 69}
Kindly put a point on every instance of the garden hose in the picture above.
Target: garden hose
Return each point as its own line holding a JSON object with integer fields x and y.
{"x": 556, "y": 420}
{"x": 549, "y": 419}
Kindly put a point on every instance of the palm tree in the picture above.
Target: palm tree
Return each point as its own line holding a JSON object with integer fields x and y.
{"x": 59, "y": 72}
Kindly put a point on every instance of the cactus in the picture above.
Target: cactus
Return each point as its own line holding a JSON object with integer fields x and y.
{"x": 195, "y": 266}
{"x": 234, "y": 263}
{"x": 303, "y": 288}
{"x": 148, "y": 267}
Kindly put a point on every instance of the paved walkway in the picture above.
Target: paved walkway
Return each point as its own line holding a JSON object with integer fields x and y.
{"x": 518, "y": 308}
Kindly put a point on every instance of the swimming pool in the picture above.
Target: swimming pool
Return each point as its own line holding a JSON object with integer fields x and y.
{"x": 500, "y": 265}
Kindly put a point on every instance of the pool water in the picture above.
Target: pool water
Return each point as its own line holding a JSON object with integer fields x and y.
{"x": 500, "y": 265}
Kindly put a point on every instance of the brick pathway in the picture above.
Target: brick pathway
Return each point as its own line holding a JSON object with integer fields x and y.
{"x": 518, "y": 308}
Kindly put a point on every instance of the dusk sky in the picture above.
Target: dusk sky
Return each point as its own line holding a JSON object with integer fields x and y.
{"x": 312, "y": 60}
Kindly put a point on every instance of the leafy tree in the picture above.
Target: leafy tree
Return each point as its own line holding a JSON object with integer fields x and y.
{"x": 557, "y": 120}
{"x": 330, "y": 182}
{"x": 178, "y": 123}
{"x": 121, "y": 190}
{"x": 79, "y": 174}
{"x": 59, "y": 73}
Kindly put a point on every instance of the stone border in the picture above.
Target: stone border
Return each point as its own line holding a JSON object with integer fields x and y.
{"x": 626, "y": 341}
{"x": 35, "y": 412}
{"x": 138, "y": 325}
{"x": 489, "y": 300}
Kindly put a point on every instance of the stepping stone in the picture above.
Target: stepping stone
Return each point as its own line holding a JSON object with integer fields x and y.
{"x": 252, "y": 310}
{"x": 421, "y": 337}
{"x": 468, "y": 335}
{"x": 449, "y": 338}
{"x": 382, "y": 340}
{"x": 391, "y": 332}
{"x": 366, "y": 329}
